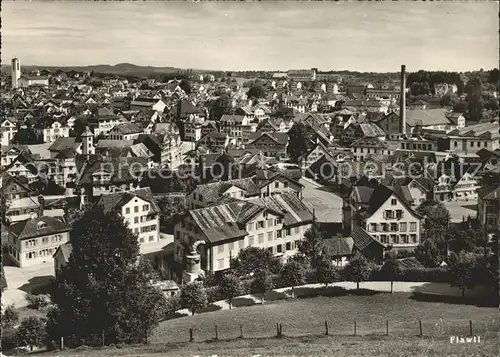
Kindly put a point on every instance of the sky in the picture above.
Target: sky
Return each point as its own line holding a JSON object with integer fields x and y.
{"x": 360, "y": 36}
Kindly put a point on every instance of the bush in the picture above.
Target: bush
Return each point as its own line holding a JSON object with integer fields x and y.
{"x": 433, "y": 275}
{"x": 173, "y": 304}
{"x": 213, "y": 294}
{"x": 38, "y": 302}
{"x": 10, "y": 316}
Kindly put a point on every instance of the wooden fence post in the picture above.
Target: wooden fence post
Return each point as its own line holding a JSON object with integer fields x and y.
{"x": 281, "y": 330}
{"x": 277, "y": 330}
{"x": 62, "y": 343}
{"x": 241, "y": 331}
{"x": 470, "y": 327}
{"x": 420, "y": 327}
{"x": 354, "y": 327}
{"x": 326, "y": 328}
{"x": 216, "y": 333}
{"x": 191, "y": 335}
{"x": 387, "y": 327}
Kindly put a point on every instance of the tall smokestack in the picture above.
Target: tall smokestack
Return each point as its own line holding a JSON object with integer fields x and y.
{"x": 41, "y": 207}
{"x": 402, "y": 106}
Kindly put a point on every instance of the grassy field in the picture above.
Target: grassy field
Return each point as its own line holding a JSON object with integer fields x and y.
{"x": 303, "y": 328}
{"x": 307, "y": 316}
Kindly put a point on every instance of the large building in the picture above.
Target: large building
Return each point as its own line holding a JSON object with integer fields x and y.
{"x": 471, "y": 139}
{"x": 16, "y": 72}
{"x": 276, "y": 223}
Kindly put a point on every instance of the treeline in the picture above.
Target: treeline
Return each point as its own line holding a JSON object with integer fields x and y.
{"x": 424, "y": 82}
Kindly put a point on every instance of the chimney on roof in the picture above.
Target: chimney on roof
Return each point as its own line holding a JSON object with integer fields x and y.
{"x": 41, "y": 206}
{"x": 402, "y": 106}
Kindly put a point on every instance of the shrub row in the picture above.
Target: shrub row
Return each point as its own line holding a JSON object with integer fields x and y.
{"x": 433, "y": 275}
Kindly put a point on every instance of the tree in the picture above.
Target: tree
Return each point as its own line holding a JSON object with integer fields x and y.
{"x": 102, "y": 292}
{"x": 31, "y": 332}
{"x": 256, "y": 91}
{"x": 251, "y": 259}
{"x": 194, "y": 296}
{"x": 230, "y": 287}
{"x": 428, "y": 254}
{"x": 221, "y": 106}
{"x": 436, "y": 223}
{"x": 185, "y": 86}
{"x": 298, "y": 141}
{"x": 25, "y": 137}
{"x": 357, "y": 269}
{"x": 10, "y": 316}
{"x": 474, "y": 98}
{"x": 4, "y": 205}
{"x": 391, "y": 269}
{"x": 461, "y": 268}
{"x": 171, "y": 208}
{"x": 326, "y": 272}
{"x": 292, "y": 274}
{"x": 262, "y": 283}
{"x": 312, "y": 246}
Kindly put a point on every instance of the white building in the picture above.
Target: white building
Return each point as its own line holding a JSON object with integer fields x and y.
{"x": 9, "y": 129}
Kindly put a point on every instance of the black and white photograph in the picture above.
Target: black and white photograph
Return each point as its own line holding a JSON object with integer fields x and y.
{"x": 250, "y": 178}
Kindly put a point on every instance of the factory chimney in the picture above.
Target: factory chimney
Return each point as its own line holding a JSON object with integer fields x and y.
{"x": 402, "y": 105}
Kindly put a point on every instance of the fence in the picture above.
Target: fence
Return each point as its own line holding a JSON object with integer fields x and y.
{"x": 437, "y": 329}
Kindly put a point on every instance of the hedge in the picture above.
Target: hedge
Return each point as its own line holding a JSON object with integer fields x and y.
{"x": 432, "y": 275}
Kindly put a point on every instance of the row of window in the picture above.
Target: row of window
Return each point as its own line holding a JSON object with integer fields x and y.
{"x": 390, "y": 214}
{"x": 471, "y": 144}
{"x": 150, "y": 239}
{"x": 41, "y": 253}
{"x": 136, "y": 209}
{"x": 52, "y": 239}
{"x": 145, "y": 229}
{"x": 262, "y": 224}
{"x": 398, "y": 239}
{"x": 142, "y": 219}
{"x": 391, "y": 227}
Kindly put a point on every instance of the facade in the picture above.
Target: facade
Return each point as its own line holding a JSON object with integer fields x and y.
{"x": 471, "y": 139}
{"x": 15, "y": 73}
{"x": 271, "y": 144}
{"x": 125, "y": 131}
{"x": 488, "y": 207}
{"x": 275, "y": 223}
{"x": 9, "y": 129}
{"x": 54, "y": 131}
{"x": 34, "y": 240}
{"x": 139, "y": 210}
{"x": 28, "y": 81}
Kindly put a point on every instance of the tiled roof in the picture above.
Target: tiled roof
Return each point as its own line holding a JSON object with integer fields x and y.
{"x": 64, "y": 143}
{"x": 279, "y": 138}
{"x": 483, "y": 130}
{"x": 127, "y": 128}
{"x": 227, "y": 118}
{"x": 28, "y": 228}
{"x": 212, "y": 192}
{"x": 370, "y": 142}
{"x": 371, "y": 130}
{"x": 66, "y": 250}
{"x": 118, "y": 199}
{"x": 289, "y": 204}
{"x": 426, "y": 117}
{"x": 362, "y": 239}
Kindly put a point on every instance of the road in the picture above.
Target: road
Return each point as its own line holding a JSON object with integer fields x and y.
{"x": 327, "y": 205}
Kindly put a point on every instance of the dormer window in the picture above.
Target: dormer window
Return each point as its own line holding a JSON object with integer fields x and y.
{"x": 41, "y": 225}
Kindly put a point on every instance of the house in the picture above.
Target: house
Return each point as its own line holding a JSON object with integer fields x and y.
{"x": 33, "y": 241}
{"x": 15, "y": 187}
{"x": 457, "y": 118}
{"x": 466, "y": 187}
{"x": 273, "y": 182}
{"x": 61, "y": 256}
{"x": 54, "y": 131}
{"x": 271, "y": 144}
{"x": 381, "y": 213}
{"x": 473, "y": 138}
{"x": 363, "y": 147}
{"x": 9, "y": 129}
{"x": 208, "y": 194}
{"x": 276, "y": 223}
{"x": 238, "y": 127}
{"x": 433, "y": 119}
{"x": 125, "y": 131}
{"x": 214, "y": 140}
{"x": 140, "y": 211}
{"x": 141, "y": 103}
{"x": 488, "y": 207}
{"x": 103, "y": 121}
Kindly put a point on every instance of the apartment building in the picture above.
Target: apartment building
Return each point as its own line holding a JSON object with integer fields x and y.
{"x": 471, "y": 139}
{"x": 140, "y": 211}
{"x": 384, "y": 216}
{"x": 276, "y": 223}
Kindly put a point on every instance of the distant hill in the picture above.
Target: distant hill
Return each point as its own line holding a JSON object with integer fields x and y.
{"x": 118, "y": 69}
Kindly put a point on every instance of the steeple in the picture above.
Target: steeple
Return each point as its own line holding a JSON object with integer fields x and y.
{"x": 87, "y": 142}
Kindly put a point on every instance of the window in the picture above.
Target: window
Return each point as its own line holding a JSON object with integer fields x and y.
{"x": 383, "y": 238}
{"x": 136, "y": 230}
{"x": 276, "y": 184}
{"x": 404, "y": 238}
{"x": 285, "y": 184}
{"x": 136, "y": 209}
{"x": 220, "y": 263}
{"x": 260, "y": 224}
{"x": 384, "y": 227}
{"x": 145, "y": 207}
{"x": 373, "y": 227}
{"x": 270, "y": 236}
{"x": 394, "y": 202}
{"x": 270, "y": 249}
{"x": 394, "y": 239}
{"x": 399, "y": 214}
{"x": 413, "y": 238}
{"x": 296, "y": 244}
{"x": 388, "y": 214}
{"x": 136, "y": 219}
{"x": 413, "y": 227}
{"x": 270, "y": 222}
{"x": 141, "y": 240}
{"x": 296, "y": 230}
{"x": 288, "y": 231}
{"x": 45, "y": 240}
{"x": 278, "y": 221}
{"x": 250, "y": 227}
{"x": 288, "y": 246}
{"x": 402, "y": 227}
{"x": 394, "y": 227}
{"x": 220, "y": 248}
{"x": 127, "y": 210}
{"x": 279, "y": 248}
{"x": 251, "y": 241}
{"x": 260, "y": 237}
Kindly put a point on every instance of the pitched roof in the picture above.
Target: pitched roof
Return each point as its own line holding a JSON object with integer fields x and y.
{"x": 118, "y": 199}
{"x": 483, "y": 130}
{"x": 426, "y": 117}
{"x": 30, "y": 227}
{"x": 66, "y": 249}
{"x": 289, "y": 204}
{"x": 212, "y": 192}
{"x": 64, "y": 143}
{"x": 279, "y": 138}
{"x": 127, "y": 128}
{"x": 363, "y": 239}
{"x": 489, "y": 192}
{"x": 371, "y": 130}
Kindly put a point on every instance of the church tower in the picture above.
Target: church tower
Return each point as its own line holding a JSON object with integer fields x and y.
{"x": 87, "y": 142}
{"x": 16, "y": 72}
